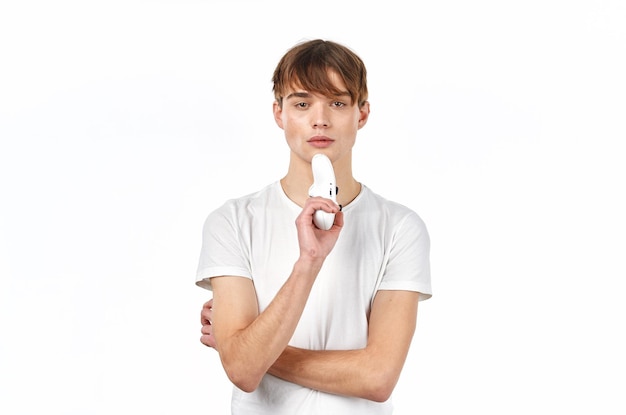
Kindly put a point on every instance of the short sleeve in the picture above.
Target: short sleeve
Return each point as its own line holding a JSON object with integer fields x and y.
{"x": 408, "y": 264}
{"x": 222, "y": 251}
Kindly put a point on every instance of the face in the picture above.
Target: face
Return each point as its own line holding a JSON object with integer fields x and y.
{"x": 315, "y": 123}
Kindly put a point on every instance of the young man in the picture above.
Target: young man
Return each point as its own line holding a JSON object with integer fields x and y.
{"x": 309, "y": 321}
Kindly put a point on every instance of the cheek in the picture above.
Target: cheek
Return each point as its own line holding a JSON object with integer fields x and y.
{"x": 289, "y": 127}
{"x": 292, "y": 122}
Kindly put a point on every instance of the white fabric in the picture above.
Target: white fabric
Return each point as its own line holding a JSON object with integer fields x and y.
{"x": 382, "y": 246}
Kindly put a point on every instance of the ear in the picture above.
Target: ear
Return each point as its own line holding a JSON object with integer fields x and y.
{"x": 278, "y": 114}
{"x": 364, "y": 113}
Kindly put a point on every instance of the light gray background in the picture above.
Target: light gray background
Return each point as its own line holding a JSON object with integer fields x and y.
{"x": 124, "y": 123}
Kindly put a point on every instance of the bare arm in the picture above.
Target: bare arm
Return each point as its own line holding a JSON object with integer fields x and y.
{"x": 249, "y": 342}
{"x": 369, "y": 373}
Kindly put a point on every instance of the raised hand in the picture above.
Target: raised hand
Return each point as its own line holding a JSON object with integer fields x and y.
{"x": 316, "y": 243}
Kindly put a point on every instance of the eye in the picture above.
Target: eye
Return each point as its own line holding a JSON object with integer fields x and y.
{"x": 301, "y": 105}
{"x": 338, "y": 104}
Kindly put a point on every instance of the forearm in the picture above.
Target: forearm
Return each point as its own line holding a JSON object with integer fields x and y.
{"x": 248, "y": 352}
{"x": 358, "y": 373}
{"x": 369, "y": 373}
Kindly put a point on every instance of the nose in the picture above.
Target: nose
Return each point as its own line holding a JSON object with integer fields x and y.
{"x": 320, "y": 117}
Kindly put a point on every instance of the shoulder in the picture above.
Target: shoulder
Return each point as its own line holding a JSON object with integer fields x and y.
{"x": 259, "y": 197}
{"x": 393, "y": 211}
{"x": 241, "y": 208}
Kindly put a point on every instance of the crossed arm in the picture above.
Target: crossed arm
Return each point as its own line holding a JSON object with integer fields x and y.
{"x": 252, "y": 344}
{"x": 369, "y": 373}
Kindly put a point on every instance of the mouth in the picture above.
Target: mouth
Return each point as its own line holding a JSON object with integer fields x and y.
{"x": 320, "y": 141}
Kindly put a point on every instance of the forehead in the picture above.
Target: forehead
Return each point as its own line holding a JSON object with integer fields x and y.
{"x": 331, "y": 85}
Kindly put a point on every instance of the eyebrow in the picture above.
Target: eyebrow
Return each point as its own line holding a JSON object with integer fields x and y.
{"x": 298, "y": 95}
{"x": 308, "y": 95}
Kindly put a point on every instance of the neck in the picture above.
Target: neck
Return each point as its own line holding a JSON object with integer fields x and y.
{"x": 300, "y": 177}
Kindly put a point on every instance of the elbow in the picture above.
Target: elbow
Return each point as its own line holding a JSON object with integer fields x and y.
{"x": 380, "y": 387}
{"x": 381, "y": 394}
{"x": 247, "y": 385}
{"x": 244, "y": 378}
{"x": 244, "y": 371}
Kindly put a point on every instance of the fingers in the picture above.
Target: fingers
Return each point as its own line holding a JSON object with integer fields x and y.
{"x": 206, "y": 317}
{"x": 338, "y": 219}
{"x": 316, "y": 203}
{"x": 329, "y": 206}
{"x": 207, "y": 337}
{"x": 208, "y": 340}
{"x": 207, "y": 329}
{"x": 312, "y": 205}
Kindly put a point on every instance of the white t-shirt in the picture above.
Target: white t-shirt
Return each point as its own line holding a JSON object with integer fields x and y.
{"x": 382, "y": 246}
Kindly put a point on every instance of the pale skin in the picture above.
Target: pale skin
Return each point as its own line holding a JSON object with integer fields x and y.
{"x": 251, "y": 344}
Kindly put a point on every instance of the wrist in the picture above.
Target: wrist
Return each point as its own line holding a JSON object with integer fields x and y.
{"x": 306, "y": 265}
{"x": 285, "y": 364}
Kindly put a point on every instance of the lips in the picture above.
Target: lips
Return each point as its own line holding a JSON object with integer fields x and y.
{"x": 320, "y": 141}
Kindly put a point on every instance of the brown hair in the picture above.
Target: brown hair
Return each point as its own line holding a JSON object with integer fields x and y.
{"x": 306, "y": 65}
